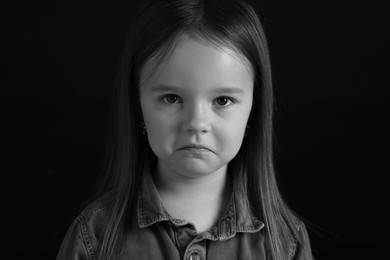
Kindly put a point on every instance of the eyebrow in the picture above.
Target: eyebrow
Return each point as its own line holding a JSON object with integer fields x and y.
{"x": 229, "y": 90}
{"x": 221, "y": 90}
{"x": 163, "y": 88}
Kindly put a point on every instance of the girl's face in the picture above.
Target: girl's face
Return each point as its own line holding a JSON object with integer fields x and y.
{"x": 195, "y": 108}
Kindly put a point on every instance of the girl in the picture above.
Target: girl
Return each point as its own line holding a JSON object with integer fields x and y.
{"x": 190, "y": 174}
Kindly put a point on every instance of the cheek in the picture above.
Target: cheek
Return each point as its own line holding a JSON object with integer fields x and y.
{"x": 160, "y": 124}
{"x": 160, "y": 132}
{"x": 232, "y": 134}
{"x": 235, "y": 130}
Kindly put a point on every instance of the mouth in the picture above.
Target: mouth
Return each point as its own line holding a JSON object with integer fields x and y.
{"x": 195, "y": 148}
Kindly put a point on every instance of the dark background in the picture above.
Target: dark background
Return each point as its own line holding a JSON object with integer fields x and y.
{"x": 330, "y": 60}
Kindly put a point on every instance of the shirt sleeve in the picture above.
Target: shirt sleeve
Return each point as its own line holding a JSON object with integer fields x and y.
{"x": 304, "y": 251}
{"x": 74, "y": 246}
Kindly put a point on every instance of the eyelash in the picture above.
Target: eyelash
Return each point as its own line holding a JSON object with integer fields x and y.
{"x": 229, "y": 100}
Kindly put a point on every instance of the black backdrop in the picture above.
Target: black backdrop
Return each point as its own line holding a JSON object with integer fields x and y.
{"x": 330, "y": 60}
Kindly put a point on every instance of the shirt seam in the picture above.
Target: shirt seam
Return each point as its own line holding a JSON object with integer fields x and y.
{"x": 294, "y": 243}
{"x": 105, "y": 205}
{"x": 292, "y": 249}
{"x": 87, "y": 239}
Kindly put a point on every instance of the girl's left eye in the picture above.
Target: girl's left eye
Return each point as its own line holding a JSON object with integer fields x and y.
{"x": 223, "y": 101}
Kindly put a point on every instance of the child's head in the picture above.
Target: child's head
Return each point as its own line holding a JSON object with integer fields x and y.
{"x": 227, "y": 27}
{"x": 195, "y": 106}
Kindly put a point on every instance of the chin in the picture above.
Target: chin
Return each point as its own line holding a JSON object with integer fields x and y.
{"x": 198, "y": 170}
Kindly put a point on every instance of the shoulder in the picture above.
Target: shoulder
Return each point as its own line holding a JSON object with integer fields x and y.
{"x": 300, "y": 246}
{"x": 94, "y": 216}
{"x": 99, "y": 207}
{"x": 83, "y": 236}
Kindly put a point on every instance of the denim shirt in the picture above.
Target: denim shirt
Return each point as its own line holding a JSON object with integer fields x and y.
{"x": 156, "y": 235}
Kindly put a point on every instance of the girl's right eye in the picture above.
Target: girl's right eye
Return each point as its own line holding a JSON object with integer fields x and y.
{"x": 171, "y": 98}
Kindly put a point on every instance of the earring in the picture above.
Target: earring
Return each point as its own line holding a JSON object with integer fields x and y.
{"x": 142, "y": 128}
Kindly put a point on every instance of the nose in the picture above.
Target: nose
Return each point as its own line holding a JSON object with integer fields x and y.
{"x": 197, "y": 119}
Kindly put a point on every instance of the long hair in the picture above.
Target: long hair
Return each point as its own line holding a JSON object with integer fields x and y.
{"x": 232, "y": 24}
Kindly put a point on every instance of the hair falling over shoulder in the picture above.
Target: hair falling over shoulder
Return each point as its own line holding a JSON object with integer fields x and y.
{"x": 225, "y": 23}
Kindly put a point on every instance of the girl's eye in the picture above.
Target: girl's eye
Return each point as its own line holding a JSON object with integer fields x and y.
{"x": 223, "y": 101}
{"x": 171, "y": 98}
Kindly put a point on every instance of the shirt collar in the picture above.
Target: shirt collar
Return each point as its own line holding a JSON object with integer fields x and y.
{"x": 150, "y": 206}
{"x": 238, "y": 216}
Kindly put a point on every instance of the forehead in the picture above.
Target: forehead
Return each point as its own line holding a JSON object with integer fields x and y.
{"x": 194, "y": 60}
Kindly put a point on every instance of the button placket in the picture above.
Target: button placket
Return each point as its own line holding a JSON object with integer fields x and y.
{"x": 194, "y": 256}
{"x": 196, "y": 250}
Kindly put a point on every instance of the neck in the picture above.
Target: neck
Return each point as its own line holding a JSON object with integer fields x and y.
{"x": 184, "y": 197}
{"x": 201, "y": 189}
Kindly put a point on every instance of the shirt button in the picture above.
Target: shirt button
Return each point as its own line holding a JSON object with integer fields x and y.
{"x": 195, "y": 256}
